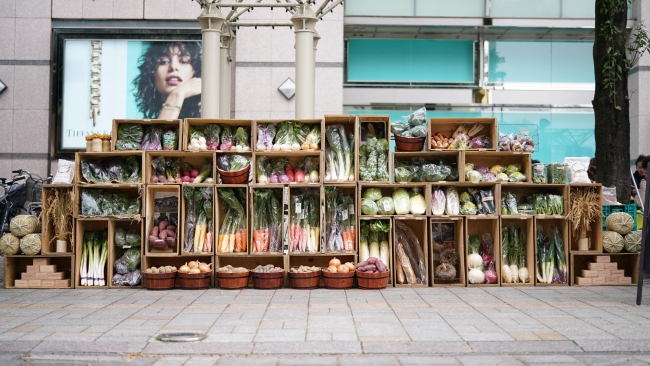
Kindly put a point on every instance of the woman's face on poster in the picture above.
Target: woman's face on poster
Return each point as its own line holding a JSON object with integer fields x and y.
{"x": 173, "y": 69}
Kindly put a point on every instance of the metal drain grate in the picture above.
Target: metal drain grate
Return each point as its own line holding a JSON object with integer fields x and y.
{"x": 181, "y": 337}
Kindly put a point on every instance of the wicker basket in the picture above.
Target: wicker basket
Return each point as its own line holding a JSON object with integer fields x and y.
{"x": 304, "y": 281}
{"x": 338, "y": 280}
{"x": 233, "y": 281}
{"x": 159, "y": 281}
{"x": 373, "y": 281}
{"x": 195, "y": 281}
{"x": 268, "y": 281}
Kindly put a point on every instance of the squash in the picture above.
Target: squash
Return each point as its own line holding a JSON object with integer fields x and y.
{"x": 620, "y": 222}
{"x": 613, "y": 242}
{"x": 633, "y": 242}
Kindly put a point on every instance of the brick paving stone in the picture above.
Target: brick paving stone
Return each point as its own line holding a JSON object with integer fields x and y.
{"x": 427, "y": 360}
{"x": 248, "y": 361}
{"x": 172, "y": 361}
{"x": 483, "y": 360}
{"x": 193, "y": 348}
{"x": 368, "y": 361}
{"x": 415, "y": 347}
{"x": 525, "y": 347}
{"x": 604, "y": 359}
{"x": 334, "y": 347}
{"x": 548, "y": 359}
{"x": 203, "y": 360}
{"x": 307, "y": 360}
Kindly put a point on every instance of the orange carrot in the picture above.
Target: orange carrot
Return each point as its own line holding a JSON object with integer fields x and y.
{"x": 267, "y": 240}
{"x": 238, "y": 244}
{"x": 244, "y": 241}
{"x": 255, "y": 240}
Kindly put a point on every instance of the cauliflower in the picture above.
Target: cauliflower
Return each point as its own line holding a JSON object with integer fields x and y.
{"x": 468, "y": 208}
{"x": 502, "y": 177}
{"x": 473, "y": 176}
{"x": 497, "y": 169}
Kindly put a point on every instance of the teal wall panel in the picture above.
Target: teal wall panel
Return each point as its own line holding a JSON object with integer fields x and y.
{"x": 405, "y": 60}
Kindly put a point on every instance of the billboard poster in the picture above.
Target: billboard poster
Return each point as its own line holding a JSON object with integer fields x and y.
{"x": 119, "y": 79}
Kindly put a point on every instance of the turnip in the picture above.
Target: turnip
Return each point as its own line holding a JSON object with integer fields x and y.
{"x": 476, "y": 276}
{"x": 506, "y": 275}
{"x": 313, "y": 176}
{"x": 283, "y": 178}
{"x": 273, "y": 178}
{"x": 194, "y": 173}
{"x": 515, "y": 273}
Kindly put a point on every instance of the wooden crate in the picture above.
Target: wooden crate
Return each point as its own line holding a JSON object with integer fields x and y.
{"x": 380, "y": 124}
{"x": 174, "y": 124}
{"x": 349, "y": 122}
{"x": 133, "y": 190}
{"x": 294, "y": 158}
{"x": 447, "y": 126}
{"x": 115, "y": 252}
{"x": 282, "y": 197}
{"x": 477, "y": 225}
{"x": 391, "y": 246}
{"x": 83, "y": 225}
{"x": 101, "y": 156}
{"x": 196, "y": 159}
{"x": 387, "y": 191}
{"x": 468, "y": 187}
{"x": 521, "y": 190}
{"x": 48, "y": 242}
{"x": 200, "y": 123}
{"x": 312, "y": 121}
{"x": 156, "y": 261}
{"x": 296, "y": 191}
{"x": 547, "y": 224}
{"x": 220, "y": 215}
{"x": 628, "y": 262}
{"x": 15, "y": 265}
{"x": 419, "y": 227}
{"x": 489, "y": 159}
{"x": 595, "y": 236}
{"x": 152, "y": 190}
{"x": 183, "y": 217}
{"x": 527, "y": 224}
{"x": 452, "y": 157}
{"x": 459, "y": 245}
{"x": 348, "y": 190}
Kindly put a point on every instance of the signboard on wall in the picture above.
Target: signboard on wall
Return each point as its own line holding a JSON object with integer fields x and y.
{"x": 123, "y": 79}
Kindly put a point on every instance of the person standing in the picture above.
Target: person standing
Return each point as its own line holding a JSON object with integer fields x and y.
{"x": 639, "y": 174}
{"x": 640, "y": 198}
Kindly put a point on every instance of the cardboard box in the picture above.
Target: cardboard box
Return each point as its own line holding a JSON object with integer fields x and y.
{"x": 47, "y": 283}
{"x": 41, "y": 262}
{"x": 589, "y": 273}
{"x": 61, "y": 283}
{"x": 624, "y": 280}
{"x": 50, "y": 268}
{"x": 612, "y": 265}
{"x": 34, "y": 283}
{"x": 617, "y": 273}
{"x": 603, "y": 259}
{"x": 611, "y": 280}
{"x": 582, "y": 281}
{"x": 596, "y": 266}
{"x": 55, "y": 276}
{"x": 598, "y": 281}
{"x": 604, "y": 273}
{"x": 33, "y": 269}
{"x": 21, "y": 283}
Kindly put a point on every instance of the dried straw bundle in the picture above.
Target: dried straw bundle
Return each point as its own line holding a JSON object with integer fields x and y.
{"x": 58, "y": 212}
{"x": 584, "y": 209}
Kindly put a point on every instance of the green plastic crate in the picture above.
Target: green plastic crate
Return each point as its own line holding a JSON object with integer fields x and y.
{"x": 610, "y": 209}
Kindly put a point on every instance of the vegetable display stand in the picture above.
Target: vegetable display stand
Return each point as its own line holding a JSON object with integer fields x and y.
{"x": 267, "y": 226}
{"x": 305, "y": 218}
{"x": 200, "y": 124}
{"x": 605, "y": 269}
{"x": 507, "y": 160}
{"x": 373, "y": 281}
{"x": 410, "y": 252}
{"x": 231, "y": 219}
{"x": 127, "y": 233}
{"x": 258, "y": 146}
{"x": 159, "y": 281}
{"x": 470, "y": 199}
{"x": 340, "y": 229}
{"x": 203, "y": 164}
{"x": 545, "y": 238}
{"x": 372, "y": 128}
{"x": 195, "y": 281}
{"x": 541, "y": 200}
{"x": 400, "y": 199}
{"x": 594, "y": 233}
{"x": 87, "y": 175}
{"x": 483, "y": 239}
{"x": 350, "y": 129}
{"x": 197, "y": 236}
{"x": 175, "y": 125}
{"x": 305, "y": 281}
{"x": 429, "y": 166}
{"x": 52, "y": 194}
{"x": 26, "y": 269}
{"x": 375, "y": 239}
{"x": 162, "y": 210}
{"x": 267, "y": 281}
{"x": 447, "y": 252}
{"x": 517, "y": 251}
{"x": 338, "y": 281}
{"x": 270, "y": 169}
{"x": 83, "y": 226}
{"x": 232, "y": 281}
{"x": 447, "y": 127}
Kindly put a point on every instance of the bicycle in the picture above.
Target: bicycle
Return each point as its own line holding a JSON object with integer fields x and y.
{"x": 12, "y": 201}
{"x": 34, "y": 191}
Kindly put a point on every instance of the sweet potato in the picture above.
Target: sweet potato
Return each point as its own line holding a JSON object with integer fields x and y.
{"x": 163, "y": 225}
{"x": 152, "y": 238}
{"x": 372, "y": 260}
{"x": 155, "y": 231}
{"x": 163, "y": 234}
{"x": 381, "y": 267}
{"x": 171, "y": 228}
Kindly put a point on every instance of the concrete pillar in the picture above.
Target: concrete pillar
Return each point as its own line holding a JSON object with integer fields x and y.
{"x": 211, "y": 21}
{"x": 227, "y": 38}
{"x": 304, "y": 22}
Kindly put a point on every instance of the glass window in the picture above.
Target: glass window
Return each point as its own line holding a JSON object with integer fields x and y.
{"x": 404, "y": 8}
{"x": 410, "y": 61}
{"x": 446, "y": 8}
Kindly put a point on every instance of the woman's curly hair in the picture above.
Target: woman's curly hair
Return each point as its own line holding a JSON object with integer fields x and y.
{"x": 148, "y": 99}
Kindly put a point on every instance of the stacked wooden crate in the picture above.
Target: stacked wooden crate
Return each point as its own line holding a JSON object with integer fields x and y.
{"x": 42, "y": 274}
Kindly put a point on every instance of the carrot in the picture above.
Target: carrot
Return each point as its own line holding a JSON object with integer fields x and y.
{"x": 219, "y": 241}
{"x": 208, "y": 242}
{"x": 267, "y": 240}
{"x": 244, "y": 235}
{"x": 238, "y": 244}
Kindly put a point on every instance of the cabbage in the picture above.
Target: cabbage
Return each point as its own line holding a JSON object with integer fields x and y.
{"x": 402, "y": 201}
{"x": 468, "y": 208}
{"x": 452, "y": 201}
{"x": 373, "y": 194}
{"x": 386, "y": 206}
{"x": 465, "y": 197}
{"x": 418, "y": 204}
{"x": 469, "y": 166}
{"x": 369, "y": 207}
{"x": 438, "y": 202}
{"x": 473, "y": 176}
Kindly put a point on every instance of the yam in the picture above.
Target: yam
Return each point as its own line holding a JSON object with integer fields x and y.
{"x": 163, "y": 225}
{"x": 163, "y": 234}
{"x": 154, "y": 231}
{"x": 171, "y": 228}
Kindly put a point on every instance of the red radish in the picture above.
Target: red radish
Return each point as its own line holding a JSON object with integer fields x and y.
{"x": 194, "y": 173}
{"x": 187, "y": 179}
{"x": 300, "y": 176}
{"x": 292, "y": 177}
{"x": 288, "y": 168}
{"x": 186, "y": 173}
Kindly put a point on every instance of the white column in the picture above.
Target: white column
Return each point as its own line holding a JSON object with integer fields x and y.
{"x": 227, "y": 38}
{"x": 211, "y": 21}
{"x": 304, "y": 22}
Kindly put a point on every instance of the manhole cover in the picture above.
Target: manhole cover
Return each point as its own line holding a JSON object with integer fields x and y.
{"x": 181, "y": 337}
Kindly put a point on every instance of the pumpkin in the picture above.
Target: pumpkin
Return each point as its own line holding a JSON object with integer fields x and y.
{"x": 613, "y": 242}
{"x": 9, "y": 245}
{"x": 620, "y": 222}
{"x": 633, "y": 242}
{"x": 22, "y": 225}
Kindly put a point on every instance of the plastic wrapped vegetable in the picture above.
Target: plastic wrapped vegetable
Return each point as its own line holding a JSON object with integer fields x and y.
{"x": 226, "y": 138}
{"x": 539, "y": 173}
{"x": 453, "y": 201}
{"x": 488, "y": 177}
{"x": 468, "y": 208}
{"x": 120, "y": 237}
{"x": 312, "y": 141}
{"x": 404, "y": 174}
{"x": 435, "y": 173}
{"x": 170, "y": 140}
{"x": 212, "y": 132}
{"x": 517, "y": 177}
{"x": 438, "y": 202}
{"x": 385, "y": 206}
{"x": 240, "y": 140}
{"x": 502, "y": 177}
{"x": 129, "y": 136}
{"x": 382, "y": 160}
{"x": 487, "y": 198}
{"x": 263, "y": 170}
{"x": 265, "y": 136}
{"x": 473, "y": 176}
{"x": 373, "y": 194}
{"x": 512, "y": 168}
{"x": 132, "y": 259}
{"x": 152, "y": 138}
{"x": 369, "y": 207}
{"x": 238, "y": 162}
{"x": 133, "y": 238}
{"x": 496, "y": 169}
{"x": 402, "y": 201}
{"x": 465, "y": 197}
{"x": 511, "y": 204}
{"x": 373, "y": 156}
{"x": 476, "y": 143}
{"x": 412, "y": 247}
{"x": 418, "y": 204}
